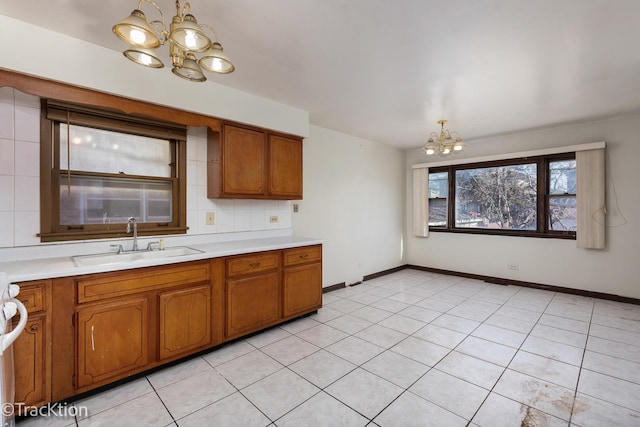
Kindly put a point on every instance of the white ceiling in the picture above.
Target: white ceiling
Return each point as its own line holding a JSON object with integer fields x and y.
{"x": 388, "y": 70}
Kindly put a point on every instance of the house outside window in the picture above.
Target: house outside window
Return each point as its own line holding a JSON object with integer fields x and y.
{"x": 533, "y": 197}
{"x": 101, "y": 168}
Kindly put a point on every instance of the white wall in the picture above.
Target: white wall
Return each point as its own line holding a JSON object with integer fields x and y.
{"x": 614, "y": 270}
{"x": 20, "y": 182}
{"x": 354, "y": 200}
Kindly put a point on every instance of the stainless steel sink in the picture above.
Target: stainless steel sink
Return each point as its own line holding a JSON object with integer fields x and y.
{"x": 124, "y": 257}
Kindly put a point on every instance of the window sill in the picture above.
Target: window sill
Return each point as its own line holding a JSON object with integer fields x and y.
{"x": 511, "y": 233}
{"x": 107, "y": 234}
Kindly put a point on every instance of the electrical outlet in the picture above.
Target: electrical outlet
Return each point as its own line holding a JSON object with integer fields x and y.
{"x": 513, "y": 266}
{"x": 273, "y": 219}
{"x": 211, "y": 218}
{"x": 296, "y": 207}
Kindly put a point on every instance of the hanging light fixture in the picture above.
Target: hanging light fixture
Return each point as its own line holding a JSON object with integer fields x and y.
{"x": 443, "y": 143}
{"x": 185, "y": 36}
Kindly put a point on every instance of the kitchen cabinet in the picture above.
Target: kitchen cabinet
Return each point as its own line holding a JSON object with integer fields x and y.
{"x": 285, "y": 167}
{"x": 253, "y": 293}
{"x": 112, "y": 340}
{"x": 247, "y": 162}
{"x": 88, "y": 331}
{"x": 185, "y": 321}
{"x": 32, "y": 350}
{"x": 302, "y": 280}
{"x": 130, "y": 321}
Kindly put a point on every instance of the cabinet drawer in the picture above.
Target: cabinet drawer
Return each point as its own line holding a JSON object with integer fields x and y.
{"x": 33, "y": 297}
{"x": 254, "y": 263}
{"x": 110, "y": 285}
{"x": 302, "y": 255}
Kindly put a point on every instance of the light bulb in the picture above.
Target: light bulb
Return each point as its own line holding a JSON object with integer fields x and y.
{"x": 190, "y": 39}
{"x": 137, "y": 36}
{"x": 429, "y": 151}
{"x": 457, "y": 147}
{"x": 145, "y": 59}
{"x": 217, "y": 64}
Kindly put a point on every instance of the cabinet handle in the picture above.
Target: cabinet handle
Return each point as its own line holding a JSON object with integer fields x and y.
{"x": 304, "y": 256}
{"x": 254, "y": 264}
{"x": 34, "y": 328}
{"x": 25, "y": 301}
{"x": 93, "y": 344}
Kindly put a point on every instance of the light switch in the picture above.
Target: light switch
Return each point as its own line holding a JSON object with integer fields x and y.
{"x": 211, "y": 218}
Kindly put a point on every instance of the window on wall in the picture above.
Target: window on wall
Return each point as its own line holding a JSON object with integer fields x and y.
{"x": 438, "y": 195}
{"x": 526, "y": 197}
{"x": 101, "y": 168}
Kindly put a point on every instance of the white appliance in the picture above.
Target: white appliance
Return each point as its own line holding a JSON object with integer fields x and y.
{"x": 9, "y": 306}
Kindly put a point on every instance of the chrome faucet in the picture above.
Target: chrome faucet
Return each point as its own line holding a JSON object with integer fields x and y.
{"x": 135, "y": 231}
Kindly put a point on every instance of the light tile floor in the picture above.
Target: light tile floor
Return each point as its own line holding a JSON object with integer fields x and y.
{"x": 408, "y": 349}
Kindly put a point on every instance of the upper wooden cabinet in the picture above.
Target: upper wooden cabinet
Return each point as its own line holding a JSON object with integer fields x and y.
{"x": 245, "y": 162}
{"x": 285, "y": 167}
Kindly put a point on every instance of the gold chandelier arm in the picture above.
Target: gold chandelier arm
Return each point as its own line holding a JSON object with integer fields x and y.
{"x": 185, "y": 9}
{"x": 215, "y": 35}
{"x": 163, "y": 28}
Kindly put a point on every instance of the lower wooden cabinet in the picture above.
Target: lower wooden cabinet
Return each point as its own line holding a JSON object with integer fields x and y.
{"x": 113, "y": 339}
{"x": 30, "y": 355}
{"x": 302, "y": 280}
{"x": 253, "y": 303}
{"x": 91, "y": 330}
{"x": 185, "y": 321}
{"x": 32, "y": 349}
{"x": 302, "y": 287}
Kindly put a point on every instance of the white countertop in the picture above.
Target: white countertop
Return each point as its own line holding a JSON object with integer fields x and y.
{"x": 48, "y": 268}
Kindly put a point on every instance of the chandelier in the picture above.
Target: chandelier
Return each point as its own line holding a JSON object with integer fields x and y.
{"x": 443, "y": 143}
{"x": 185, "y": 37}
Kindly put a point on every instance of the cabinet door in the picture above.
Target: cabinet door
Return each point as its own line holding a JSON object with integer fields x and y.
{"x": 252, "y": 303}
{"x": 302, "y": 289}
{"x": 243, "y": 161}
{"x": 29, "y": 352}
{"x": 185, "y": 320}
{"x": 285, "y": 167}
{"x": 112, "y": 340}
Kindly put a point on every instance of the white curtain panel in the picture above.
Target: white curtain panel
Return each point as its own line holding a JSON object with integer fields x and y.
{"x": 421, "y": 202}
{"x": 590, "y": 199}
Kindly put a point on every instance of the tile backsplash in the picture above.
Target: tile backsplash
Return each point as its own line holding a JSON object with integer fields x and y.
{"x": 20, "y": 182}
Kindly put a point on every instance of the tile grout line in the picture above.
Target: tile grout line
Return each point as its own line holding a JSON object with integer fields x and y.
{"x": 511, "y": 360}
{"x": 584, "y": 352}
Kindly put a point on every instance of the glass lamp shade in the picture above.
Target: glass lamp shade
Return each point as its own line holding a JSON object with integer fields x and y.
{"x": 459, "y": 145}
{"x": 188, "y": 35}
{"x": 446, "y": 149}
{"x": 430, "y": 148}
{"x": 142, "y": 56}
{"x": 216, "y": 60}
{"x": 189, "y": 70}
{"x": 135, "y": 31}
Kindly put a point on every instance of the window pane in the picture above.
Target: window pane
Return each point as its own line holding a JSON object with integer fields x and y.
{"x": 437, "y": 212}
{"x": 438, "y": 185}
{"x": 502, "y": 197}
{"x": 562, "y": 213}
{"x": 91, "y": 200}
{"x": 438, "y": 192}
{"x": 97, "y": 150}
{"x": 562, "y": 177}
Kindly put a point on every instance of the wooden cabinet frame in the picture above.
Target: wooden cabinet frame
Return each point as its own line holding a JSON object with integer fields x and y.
{"x": 245, "y": 162}
{"x": 156, "y": 298}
